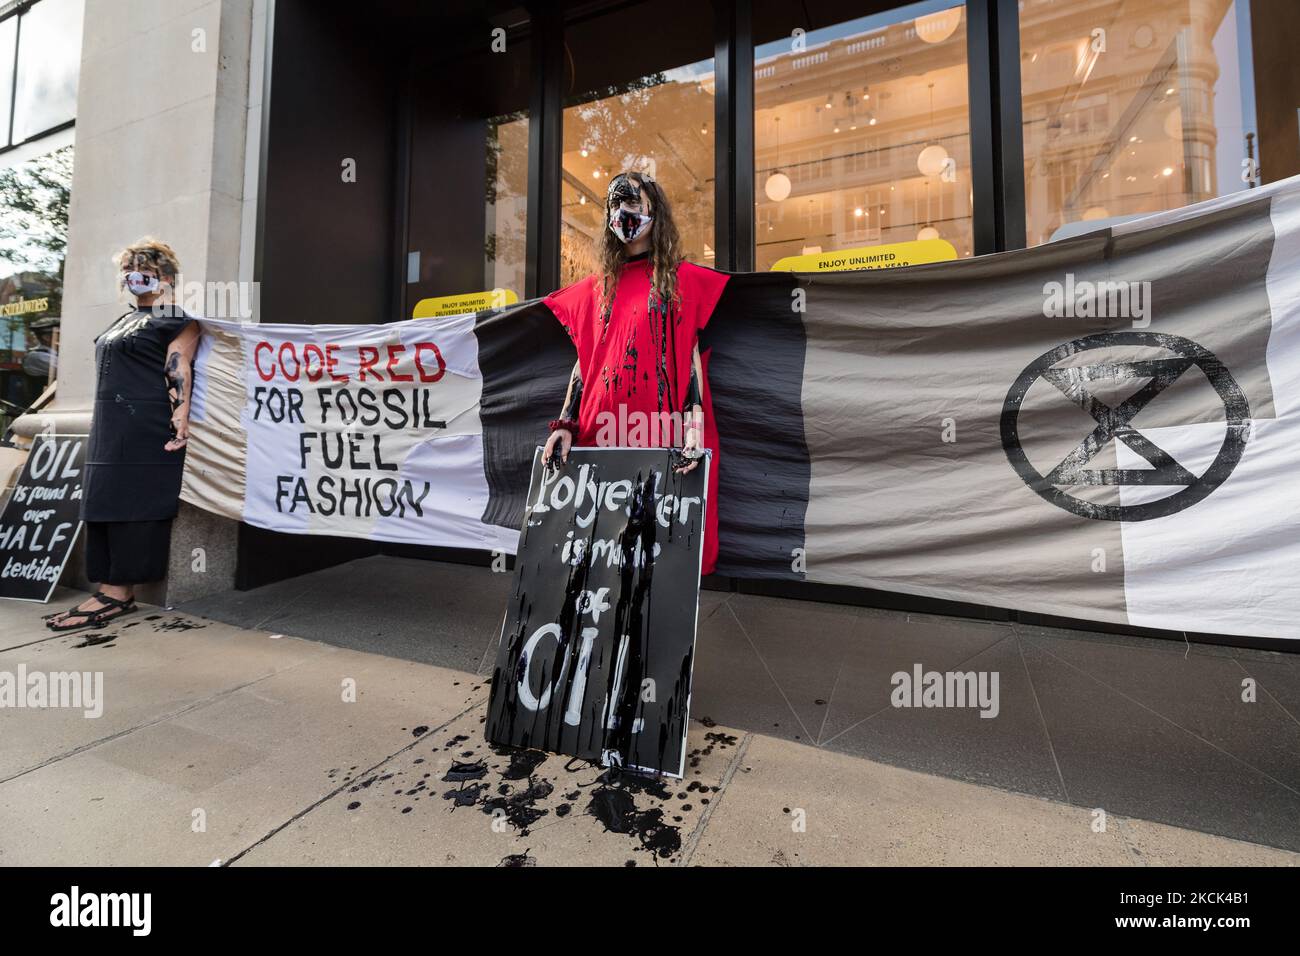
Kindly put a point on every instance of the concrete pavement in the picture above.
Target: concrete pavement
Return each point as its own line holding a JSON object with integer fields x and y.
{"x": 251, "y": 746}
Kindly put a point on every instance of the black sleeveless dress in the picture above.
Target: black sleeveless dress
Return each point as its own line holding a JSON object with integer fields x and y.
{"x": 132, "y": 484}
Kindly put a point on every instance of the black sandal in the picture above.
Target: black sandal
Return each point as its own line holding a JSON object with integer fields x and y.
{"x": 50, "y": 617}
{"x": 96, "y": 618}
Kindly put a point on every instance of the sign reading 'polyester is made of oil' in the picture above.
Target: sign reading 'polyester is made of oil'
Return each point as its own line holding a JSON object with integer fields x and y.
{"x": 599, "y": 635}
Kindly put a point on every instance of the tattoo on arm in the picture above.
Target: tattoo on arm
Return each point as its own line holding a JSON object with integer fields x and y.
{"x": 693, "y": 396}
{"x": 573, "y": 399}
{"x": 175, "y": 381}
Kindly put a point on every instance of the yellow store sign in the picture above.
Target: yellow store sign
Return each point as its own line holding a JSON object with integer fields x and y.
{"x": 893, "y": 255}
{"x": 25, "y": 306}
{"x": 444, "y": 305}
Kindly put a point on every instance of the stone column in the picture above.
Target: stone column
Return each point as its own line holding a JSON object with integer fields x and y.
{"x": 168, "y": 114}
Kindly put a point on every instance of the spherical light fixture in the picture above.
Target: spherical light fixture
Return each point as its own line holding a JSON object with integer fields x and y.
{"x": 937, "y": 27}
{"x": 777, "y": 188}
{"x": 932, "y": 160}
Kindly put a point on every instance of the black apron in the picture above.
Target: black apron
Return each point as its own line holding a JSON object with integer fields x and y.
{"x": 129, "y": 475}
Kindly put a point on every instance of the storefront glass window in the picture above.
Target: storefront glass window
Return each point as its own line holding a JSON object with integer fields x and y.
{"x": 8, "y": 50}
{"x": 34, "y": 197}
{"x": 49, "y": 62}
{"x": 659, "y": 122}
{"x": 1132, "y": 108}
{"x": 862, "y": 134}
{"x": 467, "y": 229}
{"x": 506, "y": 242}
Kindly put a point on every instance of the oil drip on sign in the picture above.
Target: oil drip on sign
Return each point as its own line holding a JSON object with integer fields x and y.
{"x": 599, "y": 633}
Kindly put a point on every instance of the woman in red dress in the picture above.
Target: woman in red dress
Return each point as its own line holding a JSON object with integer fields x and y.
{"x": 636, "y": 327}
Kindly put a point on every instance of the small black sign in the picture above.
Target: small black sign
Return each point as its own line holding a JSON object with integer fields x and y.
{"x": 42, "y": 518}
{"x": 599, "y": 634}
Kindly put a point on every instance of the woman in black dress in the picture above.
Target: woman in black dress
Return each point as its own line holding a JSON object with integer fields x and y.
{"x": 143, "y": 366}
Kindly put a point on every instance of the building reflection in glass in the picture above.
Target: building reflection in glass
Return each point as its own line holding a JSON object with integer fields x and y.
{"x": 862, "y": 134}
{"x": 1132, "y": 108}
{"x": 661, "y": 124}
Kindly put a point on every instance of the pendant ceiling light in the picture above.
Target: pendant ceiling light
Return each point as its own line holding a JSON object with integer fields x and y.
{"x": 777, "y": 187}
{"x": 937, "y": 27}
{"x": 927, "y": 231}
{"x": 934, "y": 157}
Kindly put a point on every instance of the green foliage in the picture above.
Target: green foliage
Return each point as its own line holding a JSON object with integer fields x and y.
{"x": 34, "y": 199}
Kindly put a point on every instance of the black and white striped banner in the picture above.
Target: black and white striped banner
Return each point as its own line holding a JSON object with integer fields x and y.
{"x": 1105, "y": 427}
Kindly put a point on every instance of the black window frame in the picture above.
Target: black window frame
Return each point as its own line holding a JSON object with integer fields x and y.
{"x": 17, "y": 10}
{"x": 997, "y": 149}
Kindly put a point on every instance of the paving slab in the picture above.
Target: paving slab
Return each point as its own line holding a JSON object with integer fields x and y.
{"x": 1009, "y": 748}
{"x": 154, "y": 664}
{"x": 456, "y": 800}
{"x": 437, "y": 613}
{"x": 789, "y": 805}
{"x": 1205, "y": 696}
{"x": 1118, "y": 753}
{"x": 205, "y": 783}
{"x": 264, "y": 746}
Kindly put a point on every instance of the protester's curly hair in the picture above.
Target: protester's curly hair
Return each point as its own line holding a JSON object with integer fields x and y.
{"x": 149, "y": 253}
{"x": 665, "y": 247}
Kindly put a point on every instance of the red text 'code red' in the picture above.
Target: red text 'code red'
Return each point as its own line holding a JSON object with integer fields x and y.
{"x": 314, "y": 362}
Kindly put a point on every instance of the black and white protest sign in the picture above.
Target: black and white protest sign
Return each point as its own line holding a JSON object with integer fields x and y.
{"x": 41, "y": 520}
{"x": 599, "y": 634}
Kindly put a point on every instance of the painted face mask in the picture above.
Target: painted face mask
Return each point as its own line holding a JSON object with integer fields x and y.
{"x": 137, "y": 283}
{"x": 624, "y": 202}
{"x": 627, "y": 224}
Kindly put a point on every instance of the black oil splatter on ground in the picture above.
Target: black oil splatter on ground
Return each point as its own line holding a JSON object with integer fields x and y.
{"x": 462, "y": 770}
{"x": 715, "y": 740}
{"x": 177, "y": 623}
{"x": 520, "y": 808}
{"x": 615, "y": 808}
{"x": 96, "y": 640}
{"x": 512, "y": 784}
{"x": 346, "y": 774}
{"x": 522, "y": 762}
{"x": 465, "y": 796}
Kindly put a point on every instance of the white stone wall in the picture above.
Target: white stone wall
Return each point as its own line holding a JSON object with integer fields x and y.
{"x": 161, "y": 149}
{"x": 169, "y": 108}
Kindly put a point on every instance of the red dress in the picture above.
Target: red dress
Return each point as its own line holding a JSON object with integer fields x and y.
{"x": 640, "y": 358}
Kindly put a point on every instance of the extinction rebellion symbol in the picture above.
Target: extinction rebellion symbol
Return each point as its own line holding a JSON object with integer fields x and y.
{"x": 1078, "y": 381}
